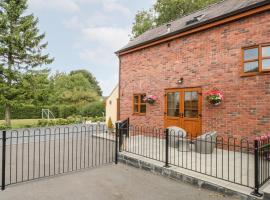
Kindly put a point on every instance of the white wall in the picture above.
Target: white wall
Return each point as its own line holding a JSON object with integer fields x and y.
{"x": 111, "y": 106}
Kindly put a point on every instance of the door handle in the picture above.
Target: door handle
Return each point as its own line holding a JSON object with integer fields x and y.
{"x": 181, "y": 115}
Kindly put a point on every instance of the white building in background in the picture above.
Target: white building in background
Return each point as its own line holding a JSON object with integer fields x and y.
{"x": 112, "y": 105}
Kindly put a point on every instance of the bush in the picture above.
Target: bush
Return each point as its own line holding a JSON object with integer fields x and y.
{"x": 4, "y": 127}
{"x": 59, "y": 111}
{"x": 110, "y": 124}
{"x": 93, "y": 109}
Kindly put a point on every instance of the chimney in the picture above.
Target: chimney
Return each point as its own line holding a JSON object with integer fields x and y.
{"x": 169, "y": 28}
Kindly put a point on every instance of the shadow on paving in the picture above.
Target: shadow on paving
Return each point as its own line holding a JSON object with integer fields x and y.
{"x": 110, "y": 182}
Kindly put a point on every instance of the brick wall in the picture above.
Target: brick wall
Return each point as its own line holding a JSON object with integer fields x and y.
{"x": 208, "y": 59}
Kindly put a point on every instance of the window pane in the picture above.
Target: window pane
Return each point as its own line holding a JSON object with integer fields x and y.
{"x": 266, "y": 51}
{"x": 251, "y": 67}
{"x": 143, "y": 109}
{"x": 250, "y": 54}
{"x": 191, "y": 105}
{"x": 173, "y": 104}
{"x": 136, "y": 108}
{"x": 142, "y": 97}
{"x": 266, "y": 64}
{"x": 136, "y": 99}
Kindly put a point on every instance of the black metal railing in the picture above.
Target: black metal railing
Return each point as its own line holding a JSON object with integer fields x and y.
{"x": 262, "y": 162}
{"x": 29, "y": 154}
{"x": 231, "y": 159}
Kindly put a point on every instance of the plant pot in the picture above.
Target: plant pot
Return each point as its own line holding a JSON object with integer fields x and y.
{"x": 214, "y": 103}
{"x": 150, "y": 102}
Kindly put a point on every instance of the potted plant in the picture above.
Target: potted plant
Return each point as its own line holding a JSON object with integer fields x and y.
{"x": 150, "y": 99}
{"x": 214, "y": 97}
{"x": 110, "y": 126}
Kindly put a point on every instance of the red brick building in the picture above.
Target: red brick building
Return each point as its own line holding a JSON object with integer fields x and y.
{"x": 224, "y": 47}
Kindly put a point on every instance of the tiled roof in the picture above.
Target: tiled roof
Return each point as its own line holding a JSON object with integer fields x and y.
{"x": 213, "y": 12}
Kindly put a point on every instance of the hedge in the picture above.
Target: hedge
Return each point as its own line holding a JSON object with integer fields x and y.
{"x": 59, "y": 111}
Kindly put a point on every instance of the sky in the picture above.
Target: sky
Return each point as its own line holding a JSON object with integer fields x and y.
{"x": 84, "y": 34}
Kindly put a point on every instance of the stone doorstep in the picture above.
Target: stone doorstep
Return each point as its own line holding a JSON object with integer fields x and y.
{"x": 188, "y": 176}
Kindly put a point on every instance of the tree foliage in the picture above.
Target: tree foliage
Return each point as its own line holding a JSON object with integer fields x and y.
{"x": 21, "y": 48}
{"x": 24, "y": 83}
{"x": 92, "y": 80}
{"x": 73, "y": 89}
{"x": 144, "y": 21}
{"x": 165, "y": 11}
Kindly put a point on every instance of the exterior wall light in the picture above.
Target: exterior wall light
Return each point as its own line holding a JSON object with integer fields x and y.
{"x": 180, "y": 81}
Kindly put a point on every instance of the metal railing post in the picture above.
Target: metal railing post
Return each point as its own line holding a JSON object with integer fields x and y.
{"x": 256, "y": 170}
{"x": 120, "y": 131}
{"x": 166, "y": 148}
{"x": 4, "y": 160}
{"x": 116, "y": 143}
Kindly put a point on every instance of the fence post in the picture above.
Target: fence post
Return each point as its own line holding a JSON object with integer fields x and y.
{"x": 120, "y": 131}
{"x": 166, "y": 148}
{"x": 4, "y": 138}
{"x": 116, "y": 142}
{"x": 256, "y": 170}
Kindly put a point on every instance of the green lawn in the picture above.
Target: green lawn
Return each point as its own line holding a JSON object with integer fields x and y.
{"x": 21, "y": 123}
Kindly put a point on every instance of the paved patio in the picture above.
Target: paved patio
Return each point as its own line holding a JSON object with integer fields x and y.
{"x": 228, "y": 165}
{"x": 111, "y": 182}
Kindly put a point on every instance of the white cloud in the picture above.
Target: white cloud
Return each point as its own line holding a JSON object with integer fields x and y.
{"x": 112, "y": 37}
{"x": 116, "y": 7}
{"x": 58, "y": 5}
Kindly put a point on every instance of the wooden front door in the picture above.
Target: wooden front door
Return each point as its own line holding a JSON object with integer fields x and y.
{"x": 183, "y": 108}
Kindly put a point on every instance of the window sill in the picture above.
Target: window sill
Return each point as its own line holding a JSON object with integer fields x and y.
{"x": 139, "y": 114}
{"x": 255, "y": 74}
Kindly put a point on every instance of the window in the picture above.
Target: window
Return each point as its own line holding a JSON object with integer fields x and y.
{"x": 256, "y": 59}
{"x": 139, "y": 105}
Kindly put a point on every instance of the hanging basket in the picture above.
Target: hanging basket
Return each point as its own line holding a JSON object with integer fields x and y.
{"x": 150, "y": 99}
{"x": 214, "y": 97}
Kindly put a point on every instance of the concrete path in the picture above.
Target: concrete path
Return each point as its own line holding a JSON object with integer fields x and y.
{"x": 111, "y": 182}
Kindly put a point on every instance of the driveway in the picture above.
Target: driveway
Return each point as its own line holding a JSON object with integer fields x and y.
{"x": 110, "y": 182}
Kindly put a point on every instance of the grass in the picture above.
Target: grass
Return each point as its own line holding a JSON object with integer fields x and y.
{"x": 21, "y": 123}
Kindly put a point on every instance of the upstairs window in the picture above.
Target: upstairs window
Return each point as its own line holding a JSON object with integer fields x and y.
{"x": 139, "y": 105}
{"x": 256, "y": 59}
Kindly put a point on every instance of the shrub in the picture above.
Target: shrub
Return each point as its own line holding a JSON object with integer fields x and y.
{"x": 110, "y": 124}
{"x": 93, "y": 109}
{"x": 59, "y": 111}
{"x": 4, "y": 127}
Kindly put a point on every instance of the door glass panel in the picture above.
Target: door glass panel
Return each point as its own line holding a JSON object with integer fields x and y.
{"x": 173, "y": 105}
{"x": 191, "y": 109}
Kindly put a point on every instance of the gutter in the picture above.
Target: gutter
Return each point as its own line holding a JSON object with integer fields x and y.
{"x": 239, "y": 11}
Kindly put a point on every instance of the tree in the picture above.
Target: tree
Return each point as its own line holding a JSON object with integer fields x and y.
{"x": 165, "y": 11}
{"x": 144, "y": 21}
{"x": 169, "y": 10}
{"x": 21, "y": 49}
{"x": 73, "y": 89}
{"x": 37, "y": 88}
{"x": 92, "y": 80}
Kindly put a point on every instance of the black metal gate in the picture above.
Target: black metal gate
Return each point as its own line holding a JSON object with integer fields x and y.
{"x": 29, "y": 154}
